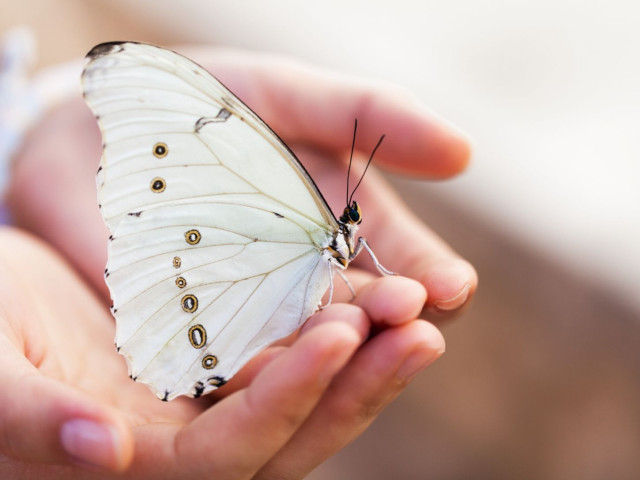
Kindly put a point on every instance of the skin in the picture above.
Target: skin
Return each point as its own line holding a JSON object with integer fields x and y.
{"x": 68, "y": 408}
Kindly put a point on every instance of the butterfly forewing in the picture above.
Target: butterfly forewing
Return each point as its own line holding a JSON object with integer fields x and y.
{"x": 218, "y": 234}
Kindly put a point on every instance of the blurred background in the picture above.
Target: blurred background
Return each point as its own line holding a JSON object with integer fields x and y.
{"x": 541, "y": 379}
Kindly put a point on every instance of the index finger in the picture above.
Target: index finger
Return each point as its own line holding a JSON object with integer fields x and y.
{"x": 318, "y": 107}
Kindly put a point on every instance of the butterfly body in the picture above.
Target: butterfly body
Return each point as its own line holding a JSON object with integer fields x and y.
{"x": 220, "y": 241}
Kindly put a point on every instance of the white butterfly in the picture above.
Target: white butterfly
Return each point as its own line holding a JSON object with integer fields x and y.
{"x": 220, "y": 241}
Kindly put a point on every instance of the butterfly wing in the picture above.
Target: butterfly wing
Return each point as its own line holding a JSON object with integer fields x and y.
{"x": 218, "y": 234}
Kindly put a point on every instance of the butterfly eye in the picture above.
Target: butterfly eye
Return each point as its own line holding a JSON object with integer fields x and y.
{"x": 355, "y": 215}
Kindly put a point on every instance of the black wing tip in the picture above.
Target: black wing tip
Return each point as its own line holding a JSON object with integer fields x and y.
{"x": 106, "y": 48}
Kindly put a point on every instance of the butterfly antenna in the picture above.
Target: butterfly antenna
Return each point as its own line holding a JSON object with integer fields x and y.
{"x": 365, "y": 169}
{"x": 353, "y": 146}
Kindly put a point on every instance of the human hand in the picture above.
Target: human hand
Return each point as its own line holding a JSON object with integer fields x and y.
{"x": 53, "y": 194}
{"x": 66, "y": 401}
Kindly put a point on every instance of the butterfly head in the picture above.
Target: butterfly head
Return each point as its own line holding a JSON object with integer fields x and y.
{"x": 352, "y": 214}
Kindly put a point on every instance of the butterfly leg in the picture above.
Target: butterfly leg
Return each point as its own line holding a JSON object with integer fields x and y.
{"x": 362, "y": 243}
{"x": 320, "y": 306}
{"x": 346, "y": 280}
{"x": 343, "y": 277}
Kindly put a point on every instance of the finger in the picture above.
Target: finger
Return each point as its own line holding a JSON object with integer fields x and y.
{"x": 391, "y": 301}
{"x": 245, "y": 376}
{"x": 375, "y": 376}
{"x": 315, "y": 106}
{"x": 46, "y": 421}
{"x": 254, "y": 423}
{"x": 350, "y": 315}
{"x": 406, "y": 246}
{"x": 356, "y": 318}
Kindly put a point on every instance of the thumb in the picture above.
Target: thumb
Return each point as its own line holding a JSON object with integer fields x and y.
{"x": 45, "y": 421}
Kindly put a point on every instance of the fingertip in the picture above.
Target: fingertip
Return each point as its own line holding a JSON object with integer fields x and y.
{"x": 450, "y": 284}
{"x": 95, "y": 435}
{"x": 432, "y": 337}
{"x": 392, "y": 300}
{"x": 102, "y": 444}
{"x": 448, "y": 144}
{"x": 429, "y": 346}
{"x": 421, "y": 142}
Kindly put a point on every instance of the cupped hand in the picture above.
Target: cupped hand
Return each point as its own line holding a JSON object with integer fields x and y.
{"x": 68, "y": 401}
{"x": 68, "y": 409}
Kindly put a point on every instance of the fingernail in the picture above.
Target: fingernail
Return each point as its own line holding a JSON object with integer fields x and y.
{"x": 416, "y": 362}
{"x": 90, "y": 442}
{"x": 454, "y": 302}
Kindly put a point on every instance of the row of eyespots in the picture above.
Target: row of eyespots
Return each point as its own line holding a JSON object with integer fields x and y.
{"x": 197, "y": 333}
{"x": 192, "y": 237}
